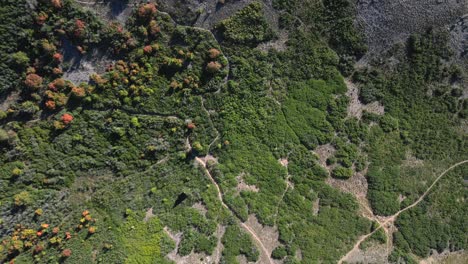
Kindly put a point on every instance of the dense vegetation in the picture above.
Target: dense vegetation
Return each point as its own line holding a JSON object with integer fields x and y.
{"x": 105, "y": 171}
{"x": 424, "y": 112}
{"x": 15, "y": 33}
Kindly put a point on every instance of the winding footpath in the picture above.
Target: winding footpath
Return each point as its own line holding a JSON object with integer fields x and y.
{"x": 392, "y": 218}
{"x": 211, "y": 123}
{"x": 220, "y": 197}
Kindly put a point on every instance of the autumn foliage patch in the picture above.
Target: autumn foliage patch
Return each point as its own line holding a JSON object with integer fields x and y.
{"x": 33, "y": 81}
{"x": 147, "y": 10}
{"x": 66, "y": 119}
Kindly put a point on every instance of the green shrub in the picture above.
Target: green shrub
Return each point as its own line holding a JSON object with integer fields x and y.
{"x": 248, "y": 26}
{"x": 4, "y": 137}
{"x": 20, "y": 59}
{"x": 237, "y": 242}
{"x": 23, "y": 198}
{"x": 279, "y": 252}
{"x": 342, "y": 172}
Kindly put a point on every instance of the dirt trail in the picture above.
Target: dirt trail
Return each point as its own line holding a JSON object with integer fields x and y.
{"x": 219, "y": 245}
{"x": 211, "y": 123}
{"x": 265, "y": 254}
{"x": 284, "y": 162}
{"x": 391, "y": 219}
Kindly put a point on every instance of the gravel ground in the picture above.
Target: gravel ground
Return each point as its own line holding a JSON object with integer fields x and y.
{"x": 459, "y": 39}
{"x": 388, "y": 22}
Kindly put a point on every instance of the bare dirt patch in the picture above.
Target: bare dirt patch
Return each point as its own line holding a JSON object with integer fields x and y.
{"x": 373, "y": 254}
{"x": 177, "y": 237}
{"x": 401, "y": 198}
{"x": 213, "y": 12}
{"x": 200, "y": 207}
{"x": 196, "y": 258}
{"x": 278, "y": 44}
{"x": 357, "y": 186}
{"x": 324, "y": 152}
{"x": 264, "y": 255}
{"x": 191, "y": 258}
{"x": 149, "y": 214}
{"x": 356, "y": 108}
{"x": 216, "y": 257}
{"x": 267, "y": 234}
{"x": 7, "y": 101}
{"x": 209, "y": 160}
{"x": 316, "y": 207}
{"x": 95, "y": 60}
{"x": 412, "y": 161}
{"x": 446, "y": 257}
{"x": 242, "y": 259}
{"x": 284, "y": 162}
{"x": 298, "y": 254}
{"x": 243, "y": 186}
{"x": 387, "y": 223}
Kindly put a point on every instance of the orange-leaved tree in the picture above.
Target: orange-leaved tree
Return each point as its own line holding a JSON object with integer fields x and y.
{"x": 33, "y": 81}
{"x": 66, "y": 118}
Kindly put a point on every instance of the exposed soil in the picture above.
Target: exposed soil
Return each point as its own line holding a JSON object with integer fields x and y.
{"x": 209, "y": 160}
{"x": 357, "y": 186}
{"x": 149, "y": 214}
{"x": 316, "y": 207}
{"x": 278, "y": 44}
{"x": 385, "y": 23}
{"x": 284, "y": 162}
{"x": 196, "y": 258}
{"x": 200, "y": 207}
{"x": 8, "y": 100}
{"x": 446, "y": 257}
{"x": 374, "y": 254}
{"x": 264, "y": 255}
{"x": 242, "y": 259}
{"x": 267, "y": 234}
{"x": 387, "y": 223}
{"x": 243, "y": 186}
{"x": 401, "y": 198}
{"x": 216, "y": 257}
{"x": 324, "y": 152}
{"x": 459, "y": 37}
{"x": 356, "y": 108}
{"x": 298, "y": 254}
{"x": 191, "y": 258}
{"x": 412, "y": 161}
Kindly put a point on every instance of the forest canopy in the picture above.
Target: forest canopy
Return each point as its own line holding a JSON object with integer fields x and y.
{"x": 247, "y": 134}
